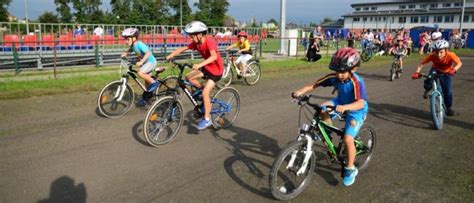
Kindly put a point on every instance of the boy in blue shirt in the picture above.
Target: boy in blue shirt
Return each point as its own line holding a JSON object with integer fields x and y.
{"x": 352, "y": 97}
{"x": 146, "y": 61}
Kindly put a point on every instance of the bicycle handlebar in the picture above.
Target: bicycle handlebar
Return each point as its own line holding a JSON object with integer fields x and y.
{"x": 126, "y": 62}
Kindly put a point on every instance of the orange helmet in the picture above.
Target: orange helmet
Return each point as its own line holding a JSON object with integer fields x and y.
{"x": 242, "y": 33}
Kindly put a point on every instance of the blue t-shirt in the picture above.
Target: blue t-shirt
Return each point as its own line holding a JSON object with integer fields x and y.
{"x": 140, "y": 49}
{"x": 348, "y": 91}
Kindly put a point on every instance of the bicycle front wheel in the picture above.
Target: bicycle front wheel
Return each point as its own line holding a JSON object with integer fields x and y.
{"x": 285, "y": 182}
{"x": 393, "y": 71}
{"x": 366, "y": 55}
{"x": 115, "y": 99}
{"x": 163, "y": 121}
{"x": 437, "y": 111}
{"x": 253, "y": 73}
{"x": 225, "y": 107}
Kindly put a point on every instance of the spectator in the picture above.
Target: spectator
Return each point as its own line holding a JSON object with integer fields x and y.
{"x": 227, "y": 33}
{"x": 464, "y": 37}
{"x": 409, "y": 46}
{"x": 98, "y": 31}
{"x": 174, "y": 31}
{"x": 264, "y": 35}
{"x": 350, "y": 39}
{"x": 78, "y": 30}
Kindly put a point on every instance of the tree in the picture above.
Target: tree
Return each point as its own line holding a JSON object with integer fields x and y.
{"x": 64, "y": 11}
{"x": 175, "y": 6}
{"x": 326, "y": 20}
{"x": 273, "y": 21}
{"x": 87, "y": 10}
{"x": 121, "y": 10}
{"x": 211, "y": 12}
{"x": 48, "y": 17}
{"x": 229, "y": 21}
{"x": 3, "y": 10}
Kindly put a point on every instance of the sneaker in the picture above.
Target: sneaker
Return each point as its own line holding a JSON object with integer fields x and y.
{"x": 152, "y": 87}
{"x": 449, "y": 112}
{"x": 142, "y": 103}
{"x": 349, "y": 176}
{"x": 401, "y": 70}
{"x": 426, "y": 94}
{"x": 203, "y": 124}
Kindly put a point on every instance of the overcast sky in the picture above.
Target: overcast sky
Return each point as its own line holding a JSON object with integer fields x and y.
{"x": 298, "y": 11}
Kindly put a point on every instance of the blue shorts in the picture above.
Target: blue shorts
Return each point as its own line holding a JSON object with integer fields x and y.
{"x": 354, "y": 119}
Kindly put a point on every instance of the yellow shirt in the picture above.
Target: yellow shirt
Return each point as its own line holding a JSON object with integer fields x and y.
{"x": 245, "y": 45}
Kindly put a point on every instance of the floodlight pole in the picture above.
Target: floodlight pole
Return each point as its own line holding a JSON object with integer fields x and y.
{"x": 462, "y": 16}
{"x": 282, "y": 26}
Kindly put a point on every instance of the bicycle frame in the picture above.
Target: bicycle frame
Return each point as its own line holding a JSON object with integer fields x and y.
{"x": 435, "y": 87}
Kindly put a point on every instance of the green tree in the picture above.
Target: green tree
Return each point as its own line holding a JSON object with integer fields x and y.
{"x": 326, "y": 20}
{"x": 87, "y": 10}
{"x": 273, "y": 21}
{"x": 211, "y": 12}
{"x": 64, "y": 10}
{"x": 48, "y": 17}
{"x": 3, "y": 10}
{"x": 120, "y": 10}
{"x": 175, "y": 6}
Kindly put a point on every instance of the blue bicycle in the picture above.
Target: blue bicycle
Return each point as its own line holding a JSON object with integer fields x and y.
{"x": 437, "y": 106}
{"x": 165, "y": 117}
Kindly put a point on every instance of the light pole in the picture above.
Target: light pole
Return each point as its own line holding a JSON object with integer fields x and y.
{"x": 26, "y": 16}
{"x": 462, "y": 16}
{"x": 181, "y": 13}
{"x": 282, "y": 26}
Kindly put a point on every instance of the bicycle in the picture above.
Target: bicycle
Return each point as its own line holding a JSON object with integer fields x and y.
{"x": 253, "y": 71}
{"x": 297, "y": 160}
{"x": 368, "y": 52}
{"x": 396, "y": 71}
{"x": 166, "y": 114}
{"x": 117, "y": 97}
{"x": 437, "y": 106}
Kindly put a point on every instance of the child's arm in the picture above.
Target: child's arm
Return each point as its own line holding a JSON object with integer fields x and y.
{"x": 357, "y": 105}
{"x": 307, "y": 88}
{"x": 209, "y": 60}
{"x": 246, "y": 47}
{"x": 144, "y": 58}
{"x": 231, "y": 46}
{"x": 176, "y": 52}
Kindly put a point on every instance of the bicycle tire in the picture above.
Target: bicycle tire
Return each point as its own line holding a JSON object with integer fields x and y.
{"x": 282, "y": 191}
{"x": 368, "y": 137}
{"x": 159, "y": 116}
{"x": 254, "y": 66}
{"x": 366, "y": 56}
{"x": 437, "y": 111}
{"x": 108, "y": 92}
{"x": 226, "y": 79}
{"x": 393, "y": 72}
{"x": 229, "y": 96}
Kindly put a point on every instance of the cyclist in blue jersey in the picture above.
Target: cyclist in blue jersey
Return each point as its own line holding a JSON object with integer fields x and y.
{"x": 351, "y": 98}
{"x": 146, "y": 61}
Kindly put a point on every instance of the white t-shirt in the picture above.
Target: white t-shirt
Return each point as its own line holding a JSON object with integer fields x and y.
{"x": 98, "y": 31}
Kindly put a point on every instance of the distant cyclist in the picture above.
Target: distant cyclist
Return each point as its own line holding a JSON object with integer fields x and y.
{"x": 245, "y": 52}
{"x": 399, "y": 50}
{"x": 146, "y": 61}
{"x": 351, "y": 98}
{"x": 446, "y": 63}
{"x": 212, "y": 66}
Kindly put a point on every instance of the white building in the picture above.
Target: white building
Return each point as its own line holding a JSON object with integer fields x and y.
{"x": 406, "y": 14}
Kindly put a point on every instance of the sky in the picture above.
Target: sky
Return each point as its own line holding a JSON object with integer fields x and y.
{"x": 298, "y": 11}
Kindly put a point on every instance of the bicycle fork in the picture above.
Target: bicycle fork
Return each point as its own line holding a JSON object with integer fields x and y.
{"x": 308, "y": 152}
{"x": 121, "y": 89}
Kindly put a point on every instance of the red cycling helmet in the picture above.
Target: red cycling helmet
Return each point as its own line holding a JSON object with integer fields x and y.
{"x": 242, "y": 33}
{"x": 344, "y": 59}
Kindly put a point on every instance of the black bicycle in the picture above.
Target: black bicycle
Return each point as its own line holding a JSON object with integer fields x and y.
{"x": 165, "y": 117}
{"x": 117, "y": 97}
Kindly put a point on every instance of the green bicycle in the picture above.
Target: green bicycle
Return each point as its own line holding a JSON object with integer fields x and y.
{"x": 294, "y": 166}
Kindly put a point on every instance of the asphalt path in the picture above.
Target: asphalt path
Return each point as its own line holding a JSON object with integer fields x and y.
{"x": 57, "y": 148}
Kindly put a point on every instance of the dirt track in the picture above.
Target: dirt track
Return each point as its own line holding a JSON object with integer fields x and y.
{"x": 57, "y": 148}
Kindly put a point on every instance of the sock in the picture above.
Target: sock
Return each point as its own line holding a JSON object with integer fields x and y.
{"x": 351, "y": 168}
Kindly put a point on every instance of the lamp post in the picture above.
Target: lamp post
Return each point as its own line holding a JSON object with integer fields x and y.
{"x": 282, "y": 26}
{"x": 181, "y": 13}
{"x": 26, "y": 16}
{"x": 462, "y": 16}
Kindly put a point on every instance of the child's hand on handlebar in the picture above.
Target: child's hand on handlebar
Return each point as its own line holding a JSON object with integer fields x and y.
{"x": 196, "y": 67}
{"x": 139, "y": 64}
{"x": 341, "y": 108}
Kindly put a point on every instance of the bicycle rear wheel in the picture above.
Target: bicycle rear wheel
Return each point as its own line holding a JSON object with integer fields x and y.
{"x": 393, "y": 71}
{"x": 365, "y": 143}
{"x": 226, "y": 78}
{"x": 437, "y": 111}
{"x": 285, "y": 183}
{"x": 163, "y": 121}
{"x": 115, "y": 100}
{"x": 253, "y": 73}
{"x": 225, "y": 107}
{"x": 366, "y": 55}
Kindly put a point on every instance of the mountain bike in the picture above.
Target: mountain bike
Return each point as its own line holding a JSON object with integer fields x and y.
{"x": 117, "y": 97}
{"x": 368, "y": 52}
{"x": 395, "y": 70}
{"x": 165, "y": 117}
{"x": 294, "y": 166}
{"x": 437, "y": 106}
{"x": 251, "y": 78}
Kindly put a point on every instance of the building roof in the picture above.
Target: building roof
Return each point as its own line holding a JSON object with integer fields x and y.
{"x": 411, "y": 12}
{"x": 381, "y": 2}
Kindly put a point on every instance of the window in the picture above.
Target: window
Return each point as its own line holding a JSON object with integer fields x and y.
{"x": 458, "y": 4}
{"x": 402, "y": 6}
{"x": 449, "y": 19}
{"x": 364, "y": 19}
{"x": 414, "y": 19}
{"x": 366, "y": 8}
{"x": 384, "y": 18}
{"x": 424, "y": 19}
{"x": 356, "y": 19}
{"x": 466, "y": 18}
{"x": 411, "y": 6}
{"x": 447, "y": 5}
{"x": 424, "y": 6}
{"x": 357, "y": 9}
{"x": 438, "y": 19}
{"x": 373, "y": 8}
{"x": 433, "y": 5}
{"x": 402, "y": 19}
{"x": 371, "y": 19}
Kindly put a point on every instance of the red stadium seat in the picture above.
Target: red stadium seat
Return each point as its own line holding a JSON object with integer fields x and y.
{"x": 109, "y": 39}
{"x": 65, "y": 40}
{"x": 30, "y": 40}
{"x": 80, "y": 40}
{"x": 147, "y": 39}
{"x": 95, "y": 39}
{"x": 47, "y": 40}
{"x": 10, "y": 40}
{"x": 159, "y": 38}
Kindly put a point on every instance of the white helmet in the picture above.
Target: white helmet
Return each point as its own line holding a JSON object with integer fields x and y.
{"x": 436, "y": 35}
{"x": 130, "y": 32}
{"x": 440, "y": 44}
{"x": 195, "y": 27}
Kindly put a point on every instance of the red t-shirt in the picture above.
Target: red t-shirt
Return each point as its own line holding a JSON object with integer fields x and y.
{"x": 215, "y": 68}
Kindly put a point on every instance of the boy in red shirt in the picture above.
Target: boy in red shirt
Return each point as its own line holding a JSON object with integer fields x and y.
{"x": 210, "y": 69}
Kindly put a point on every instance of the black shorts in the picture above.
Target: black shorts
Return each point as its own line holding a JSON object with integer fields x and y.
{"x": 210, "y": 76}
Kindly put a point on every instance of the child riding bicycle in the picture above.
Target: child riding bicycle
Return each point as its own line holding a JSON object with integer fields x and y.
{"x": 146, "y": 61}
{"x": 213, "y": 65}
{"x": 245, "y": 52}
{"x": 398, "y": 51}
{"x": 351, "y": 98}
{"x": 445, "y": 63}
